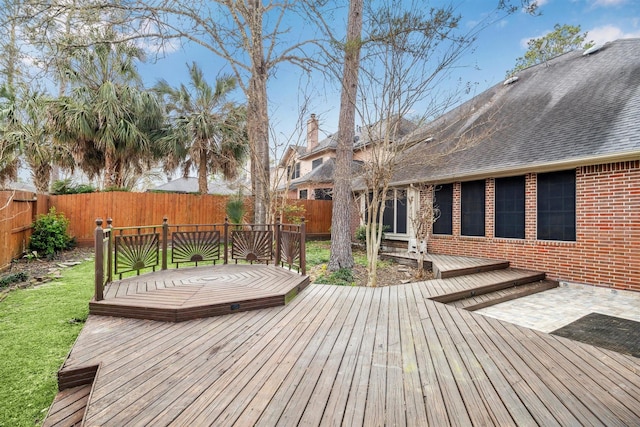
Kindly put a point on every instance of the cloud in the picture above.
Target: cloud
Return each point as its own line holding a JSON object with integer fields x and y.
{"x": 607, "y": 33}
{"x": 524, "y": 42}
{"x": 608, "y": 3}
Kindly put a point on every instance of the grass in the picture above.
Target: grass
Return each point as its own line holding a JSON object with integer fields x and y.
{"x": 38, "y": 326}
{"x": 318, "y": 253}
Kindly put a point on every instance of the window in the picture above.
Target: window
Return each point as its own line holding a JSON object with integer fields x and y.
{"x": 323, "y": 194}
{"x": 394, "y": 217}
{"x": 509, "y": 207}
{"x": 443, "y": 200}
{"x": 395, "y": 212}
{"x": 316, "y": 163}
{"x": 472, "y": 208}
{"x": 557, "y": 206}
{"x": 294, "y": 172}
{"x": 303, "y": 194}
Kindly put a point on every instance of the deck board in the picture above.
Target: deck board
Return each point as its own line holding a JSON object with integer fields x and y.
{"x": 190, "y": 293}
{"x": 351, "y": 356}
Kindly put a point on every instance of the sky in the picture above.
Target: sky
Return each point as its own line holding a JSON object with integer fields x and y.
{"x": 496, "y": 51}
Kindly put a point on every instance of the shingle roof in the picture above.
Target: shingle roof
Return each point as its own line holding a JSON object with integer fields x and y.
{"x": 574, "y": 109}
{"x": 321, "y": 174}
{"x": 364, "y": 136}
{"x": 190, "y": 185}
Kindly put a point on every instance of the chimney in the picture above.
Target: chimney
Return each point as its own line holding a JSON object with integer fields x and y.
{"x": 312, "y": 133}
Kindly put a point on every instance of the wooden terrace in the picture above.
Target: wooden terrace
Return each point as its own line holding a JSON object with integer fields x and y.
{"x": 344, "y": 356}
{"x": 347, "y": 356}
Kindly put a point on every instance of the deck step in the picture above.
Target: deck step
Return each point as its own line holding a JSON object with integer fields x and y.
{"x": 487, "y": 282}
{"x": 503, "y": 295}
{"x": 68, "y": 407}
{"x": 447, "y": 266}
{"x": 443, "y": 268}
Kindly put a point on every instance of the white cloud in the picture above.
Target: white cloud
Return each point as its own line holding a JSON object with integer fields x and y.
{"x": 607, "y": 33}
{"x": 524, "y": 42}
{"x": 608, "y": 3}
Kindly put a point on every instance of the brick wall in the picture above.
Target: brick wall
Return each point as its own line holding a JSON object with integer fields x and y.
{"x": 607, "y": 247}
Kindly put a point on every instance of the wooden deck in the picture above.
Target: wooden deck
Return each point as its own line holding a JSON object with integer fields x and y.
{"x": 351, "y": 356}
{"x": 190, "y": 293}
{"x": 446, "y": 266}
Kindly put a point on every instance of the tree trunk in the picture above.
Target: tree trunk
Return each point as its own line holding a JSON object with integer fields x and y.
{"x": 109, "y": 169}
{"x": 258, "y": 130}
{"x": 258, "y": 115}
{"x": 202, "y": 172}
{"x": 341, "y": 256}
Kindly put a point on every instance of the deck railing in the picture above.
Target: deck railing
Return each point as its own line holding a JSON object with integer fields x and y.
{"x": 121, "y": 250}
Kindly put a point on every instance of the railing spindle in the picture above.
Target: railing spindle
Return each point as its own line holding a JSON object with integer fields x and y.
{"x": 165, "y": 238}
{"x": 99, "y": 263}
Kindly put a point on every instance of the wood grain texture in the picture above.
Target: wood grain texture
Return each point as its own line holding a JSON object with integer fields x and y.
{"x": 351, "y": 356}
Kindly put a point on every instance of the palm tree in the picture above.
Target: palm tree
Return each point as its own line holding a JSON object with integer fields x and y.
{"x": 109, "y": 120}
{"x": 29, "y": 132}
{"x": 9, "y": 149}
{"x": 207, "y": 133}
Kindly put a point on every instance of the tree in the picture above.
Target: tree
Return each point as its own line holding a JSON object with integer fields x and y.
{"x": 30, "y": 133}
{"x": 208, "y": 133}
{"x": 109, "y": 121}
{"x": 563, "y": 39}
{"x": 407, "y": 52}
{"x": 254, "y": 37}
{"x": 9, "y": 148}
{"x": 341, "y": 256}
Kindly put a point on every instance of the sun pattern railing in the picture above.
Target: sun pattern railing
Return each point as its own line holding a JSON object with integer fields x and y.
{"x": 195, "y": 246}
{"x": 137, "y": 249}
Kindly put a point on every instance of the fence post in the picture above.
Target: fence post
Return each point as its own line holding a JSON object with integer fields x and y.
{"x": 165, "y": 238}
{"x": 109, "y": 252}
{"x": 226, "y": 238}
{"x": 99, "y": 260}
{"x": 278, "y": 230}
{"x": 303, "y": 246}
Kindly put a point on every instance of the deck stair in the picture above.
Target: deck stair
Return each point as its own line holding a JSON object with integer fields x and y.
{"x": 502, "y": 295}
{"x": 473, "y": 283}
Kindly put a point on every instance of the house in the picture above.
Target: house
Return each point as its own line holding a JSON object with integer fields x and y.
{"x": 307, "y": 172}
{"x": 217, "y": 186}
{"x": 542, "y": 170}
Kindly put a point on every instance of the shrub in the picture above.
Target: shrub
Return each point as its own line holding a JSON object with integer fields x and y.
{"x": 293, "y": 214}
{"x": 13, "y": 278}
{"x": 235, "y": 208}
{"x": 342, "y": 277}
{"x": 65, "y": 186}
{"x": 50, "y": 234}
{"x": 361, "y": 233}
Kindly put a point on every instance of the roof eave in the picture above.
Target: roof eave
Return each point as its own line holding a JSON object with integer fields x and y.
{"x": 532, "y": 168}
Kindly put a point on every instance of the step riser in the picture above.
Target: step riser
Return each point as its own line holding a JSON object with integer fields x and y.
{"x": 516, "y": 295}
{"x": 471, "y": 270}
{"x": 489, "y": 288}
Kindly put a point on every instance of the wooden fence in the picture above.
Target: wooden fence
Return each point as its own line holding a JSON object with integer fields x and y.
{"x": 133, "y": 209}
{"x": 18, "y": 209}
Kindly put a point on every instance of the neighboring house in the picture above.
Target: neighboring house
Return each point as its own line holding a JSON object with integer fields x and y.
{"x": 307, "y": 172}
{"x": 190, "y": 185}
{"x": 542, "y": 170}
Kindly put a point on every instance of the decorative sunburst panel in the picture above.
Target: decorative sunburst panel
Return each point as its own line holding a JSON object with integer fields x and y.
{"x": 290, "y": 248}
{"x": 195, "y": 246}
{"x": 252, "y": 245}
{"x": 135, "y": 252}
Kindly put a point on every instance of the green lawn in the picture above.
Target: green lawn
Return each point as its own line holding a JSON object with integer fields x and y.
{"x": 38, "y": 326}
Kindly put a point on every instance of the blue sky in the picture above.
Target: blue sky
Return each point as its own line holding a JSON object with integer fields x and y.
{"x": 496, "y": 51}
